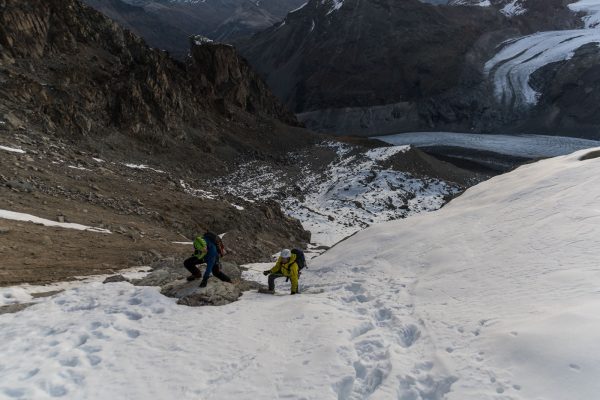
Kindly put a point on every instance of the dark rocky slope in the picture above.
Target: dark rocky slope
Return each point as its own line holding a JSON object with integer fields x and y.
{"x": 378, "y": 66}
{"x": 167, "y": 24}
{"x": 68, "y": 70}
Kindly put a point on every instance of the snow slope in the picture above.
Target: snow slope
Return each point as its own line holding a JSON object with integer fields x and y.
{"x": 495, "y": 296}
{"x": 517, "y": 59}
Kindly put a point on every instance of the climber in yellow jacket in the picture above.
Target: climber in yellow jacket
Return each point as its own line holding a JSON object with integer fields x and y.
{"x": 286, "y": 266}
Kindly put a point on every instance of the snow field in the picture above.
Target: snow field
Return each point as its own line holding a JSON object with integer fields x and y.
{"x": 26, "y": 293}
{"x": 119, "y": 341}
{"x": 495, "y": 296}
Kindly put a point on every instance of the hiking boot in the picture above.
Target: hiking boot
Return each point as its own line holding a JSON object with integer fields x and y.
{"x": 266, "y": 291}
{"x": 192, "y": 278}
{"x": 204, "y": 283}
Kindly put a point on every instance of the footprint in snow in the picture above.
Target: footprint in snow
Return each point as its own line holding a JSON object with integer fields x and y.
{"x": 94, "y": 359}
{"x": 30, "y": 374}
{"x": 383, "y": 314}
{"x": 56, "y": 390}
{"x": 133, "y": 333}
{"x": 132, "y": 315}
{"x": 69, "y": 362}
{"x": 409, "y": 334}
{"x": 17, "y": 393}
{"x": 575, "y": 367}
{"x": 135, "y": 301}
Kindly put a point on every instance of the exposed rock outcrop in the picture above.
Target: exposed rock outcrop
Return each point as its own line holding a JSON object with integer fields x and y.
{"x": 67, "y": 69}
{"x": 171, "y": 279}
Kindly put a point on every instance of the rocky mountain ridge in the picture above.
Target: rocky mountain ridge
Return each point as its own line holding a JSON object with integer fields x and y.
{"x": 167, "y": 24}
{"x": 410, "y": 66}
{"x": 68, "y": 70}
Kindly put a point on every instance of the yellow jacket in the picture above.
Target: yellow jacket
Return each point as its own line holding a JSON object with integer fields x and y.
{"x": 289, "y": 269}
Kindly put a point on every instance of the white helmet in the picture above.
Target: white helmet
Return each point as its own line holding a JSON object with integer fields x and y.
{"x": 285, "y": 253}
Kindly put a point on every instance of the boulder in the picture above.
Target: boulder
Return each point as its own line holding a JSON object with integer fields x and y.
{"x": 170, "y": 275}
{"x": 216, "y": 293}
{"x": 231, "y": 270}
{"x": 115, "y": 278}
{"x": 161, "y": 277}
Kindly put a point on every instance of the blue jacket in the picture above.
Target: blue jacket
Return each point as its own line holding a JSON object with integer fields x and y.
{"x": 211, "y": 258}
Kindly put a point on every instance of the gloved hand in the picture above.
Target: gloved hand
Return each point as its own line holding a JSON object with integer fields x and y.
{"x": 267, "y": 272}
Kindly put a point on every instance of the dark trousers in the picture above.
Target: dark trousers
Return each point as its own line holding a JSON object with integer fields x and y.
{"x": 272, "y": 278}
{"x": 190, "y": 265}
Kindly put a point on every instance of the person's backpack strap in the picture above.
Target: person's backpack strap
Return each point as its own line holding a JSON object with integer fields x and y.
{"x": 217, "y": 241}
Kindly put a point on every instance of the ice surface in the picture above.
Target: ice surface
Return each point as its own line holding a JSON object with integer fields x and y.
{"x": 592, "y": 10}
{"x": 529, "y": 146}
{"x": 511, "y": 68}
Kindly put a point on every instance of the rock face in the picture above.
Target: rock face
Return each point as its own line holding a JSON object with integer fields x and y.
{"x": 168, "y": 24}
{"x": 221, "y": 74}
{"x": 409, "y": 65}
{"x": 66, "y": 68}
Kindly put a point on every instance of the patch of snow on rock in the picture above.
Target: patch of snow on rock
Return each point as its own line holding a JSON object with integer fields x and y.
{"x": 334, "y": 5}
{"x": 143, "y": 166}
{"x": 513, "y": 8}
{"x": 78, "y": 168}
{"x": 12, "y": 149}
{"x": 299, "y": 8}
{"x": 197, "y": 192}
{"x": 16, "y": 216}
{"x": 351, "y": 193}
{"x": 589, "y": 7}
